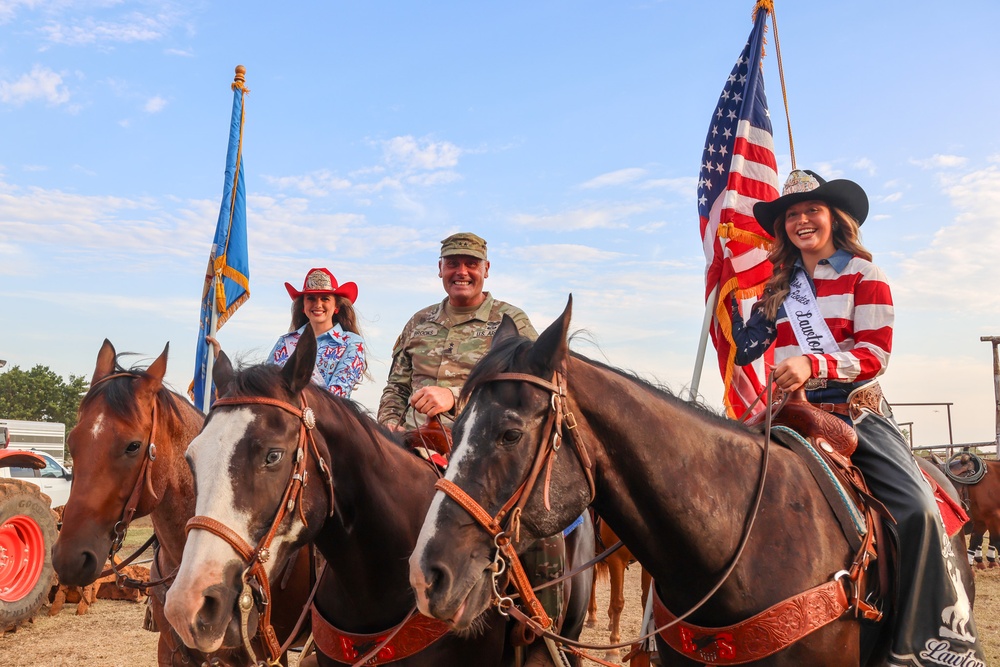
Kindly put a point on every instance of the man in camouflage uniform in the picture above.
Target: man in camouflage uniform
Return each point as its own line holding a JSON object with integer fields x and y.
{"x": 432, "y": 359}
{"x": 441, "y": 343}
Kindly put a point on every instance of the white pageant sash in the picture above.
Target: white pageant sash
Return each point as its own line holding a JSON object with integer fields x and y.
{"x": 802, "y": 309}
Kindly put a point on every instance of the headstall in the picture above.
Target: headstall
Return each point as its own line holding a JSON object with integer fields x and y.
{"x": 255, "y": 557}
{"x": 504, "y": 538}
{"x": 142, "y": 481}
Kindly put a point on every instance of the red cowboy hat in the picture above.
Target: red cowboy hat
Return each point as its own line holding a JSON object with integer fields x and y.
{"x": 321, "y": 281}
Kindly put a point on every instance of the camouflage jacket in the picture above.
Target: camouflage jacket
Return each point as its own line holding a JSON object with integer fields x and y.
{"x": 434, "y": 350}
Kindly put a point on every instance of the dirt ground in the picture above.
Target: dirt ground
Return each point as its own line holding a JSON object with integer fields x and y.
{"x": 111, "y": 634}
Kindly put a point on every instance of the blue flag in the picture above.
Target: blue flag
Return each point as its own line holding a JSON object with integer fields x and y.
{"x": 227, "y": 279}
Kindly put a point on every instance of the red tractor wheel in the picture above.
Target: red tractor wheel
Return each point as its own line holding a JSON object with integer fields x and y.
{"x": 27, "y": 533}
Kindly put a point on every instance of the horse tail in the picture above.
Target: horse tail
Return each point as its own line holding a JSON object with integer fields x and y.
{"x": 602, "y": 573}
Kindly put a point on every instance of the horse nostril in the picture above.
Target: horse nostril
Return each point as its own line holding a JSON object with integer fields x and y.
{"x": 437, "y": 578}
{"x": 209, "y": 613}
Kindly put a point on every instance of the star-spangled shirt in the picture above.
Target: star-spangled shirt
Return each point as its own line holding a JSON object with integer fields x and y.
{"x": 340, "y": 358}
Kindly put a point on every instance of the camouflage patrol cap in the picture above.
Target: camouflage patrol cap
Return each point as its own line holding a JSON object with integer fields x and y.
{"x": 464, "y": 243}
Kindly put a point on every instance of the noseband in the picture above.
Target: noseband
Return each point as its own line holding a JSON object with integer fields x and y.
{"x": 559, "y": 417}
{"x": 255, "y": 557}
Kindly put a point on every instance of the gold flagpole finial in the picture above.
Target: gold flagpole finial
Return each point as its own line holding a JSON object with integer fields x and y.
{"x": 239, "y": 81}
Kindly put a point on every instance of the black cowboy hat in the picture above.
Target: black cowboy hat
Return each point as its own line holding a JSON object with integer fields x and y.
{"x": 804, "y": 185}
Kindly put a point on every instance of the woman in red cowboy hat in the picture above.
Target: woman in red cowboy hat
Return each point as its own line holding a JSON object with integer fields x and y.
{"x": 328, "y": 308}
{"x": 828, "y": 310}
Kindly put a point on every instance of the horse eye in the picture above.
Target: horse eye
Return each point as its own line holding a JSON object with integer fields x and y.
{"x": 511, "y": 436}
{"x": 273, "y": 457}
{"x": 133, "y": 447}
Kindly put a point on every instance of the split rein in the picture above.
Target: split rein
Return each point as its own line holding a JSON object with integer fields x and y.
{"x": 558, "y": 419}
{"x": 255, "y": 557}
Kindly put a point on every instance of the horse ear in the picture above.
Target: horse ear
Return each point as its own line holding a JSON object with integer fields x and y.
{"x": 158, "y": 368}
{"x": 507, "y": 329}
{"x": 298, "y": 369}
{"x": 222, "y": 373}
{"x": 105, "y": 362}
{"x": 552, "y": 347}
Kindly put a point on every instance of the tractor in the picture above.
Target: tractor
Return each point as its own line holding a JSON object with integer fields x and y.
{"x": 27, "y": 533}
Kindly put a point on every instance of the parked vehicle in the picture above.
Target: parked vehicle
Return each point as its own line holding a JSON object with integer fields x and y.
{"x": 47, "y": 437}
{"x": 27, "y": 533}
{"x": 53, "y": 479}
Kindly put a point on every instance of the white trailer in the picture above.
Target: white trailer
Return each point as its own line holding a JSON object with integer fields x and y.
{"x": 48, "y": 437}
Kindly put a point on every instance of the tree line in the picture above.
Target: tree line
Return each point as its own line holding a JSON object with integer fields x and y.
{"x": 41, "y": 395}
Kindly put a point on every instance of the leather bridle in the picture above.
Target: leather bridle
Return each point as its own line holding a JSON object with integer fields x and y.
{"x": 142, "y": 481}
{"x": 559, "y": 417}
{"x": 256, "y": 557}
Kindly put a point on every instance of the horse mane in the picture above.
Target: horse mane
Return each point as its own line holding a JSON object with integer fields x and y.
{"x": 119, "y": 397}
{"x": 502, "y": 357}
{"x": 261, "y": 380}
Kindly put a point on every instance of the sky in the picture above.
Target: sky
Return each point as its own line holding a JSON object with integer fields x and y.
{"x": 567, "y": 133}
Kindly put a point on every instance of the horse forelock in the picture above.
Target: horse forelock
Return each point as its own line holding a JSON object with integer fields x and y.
{"x": 267, "y": 380}
{"x": 118, "y": 395}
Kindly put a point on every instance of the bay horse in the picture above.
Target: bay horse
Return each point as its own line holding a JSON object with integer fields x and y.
{"x": 127, "y": 418}
{"x": 364, "y": 518}
{"x": 613, "y": 569}
{"x": 982, "y": 497}
{"x": 675, "y": 482}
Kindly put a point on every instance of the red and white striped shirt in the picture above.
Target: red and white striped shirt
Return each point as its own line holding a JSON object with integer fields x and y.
{"x": 854, "y": 298}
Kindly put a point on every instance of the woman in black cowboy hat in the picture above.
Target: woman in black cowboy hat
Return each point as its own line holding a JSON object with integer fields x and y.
{"x": 328, "y": 308}
{"x": 828, "y": 310}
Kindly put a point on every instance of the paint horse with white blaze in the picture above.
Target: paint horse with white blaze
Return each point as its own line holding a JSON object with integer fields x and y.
{"x": 359, "y": 496}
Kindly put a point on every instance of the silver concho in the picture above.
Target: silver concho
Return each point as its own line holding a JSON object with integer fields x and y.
{"x": 264, "y": 555}
{"x": 309, "y": 418}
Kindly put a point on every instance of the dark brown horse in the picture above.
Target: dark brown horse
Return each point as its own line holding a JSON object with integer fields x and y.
{"x": 675, "y": 482}
{"x": 244, "y": 459}
{"x": 110, "y": 445}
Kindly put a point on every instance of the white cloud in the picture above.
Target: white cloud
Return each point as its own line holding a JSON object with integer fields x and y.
{"x": 565, "y": 253}
{"x": 134, "y": 27}
{"x": 865, "y": 164}
{"x": 620, "y": 177}
{"x": 39, "y": 84}
{"x": 179, "y": 52}
{"x": 597, "y": 217}
{"x": 953, "y": 273}
{"x": 411, "y": 153}
{"x": 319, "y": 183}
{"x": 434, "y": 178}
{"x": 684, "y": 185}
{"x": 154, "y": 104}
{"x": 939, "y": 161}
{"x": 8, "y": 8}
{"x": 894, "y": 197}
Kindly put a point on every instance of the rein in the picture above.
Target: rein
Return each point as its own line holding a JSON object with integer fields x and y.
{"x": 558, "y": 418}
{"x": 256, "y": 557}
{"x": 142, "y": 481}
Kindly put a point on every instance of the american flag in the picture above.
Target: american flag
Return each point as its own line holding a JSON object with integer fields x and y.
{"x": 738, "y": 169}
